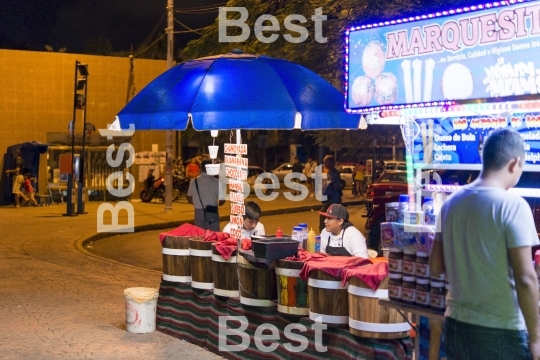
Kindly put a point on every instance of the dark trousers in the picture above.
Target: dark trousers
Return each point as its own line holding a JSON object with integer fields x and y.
{"x": 465, "y": 341}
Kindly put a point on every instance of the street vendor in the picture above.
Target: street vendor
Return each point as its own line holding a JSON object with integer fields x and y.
{"x": 340, "y": 237}
{"x": 251, "y": 226}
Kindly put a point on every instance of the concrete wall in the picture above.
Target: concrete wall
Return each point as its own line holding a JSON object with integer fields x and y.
{"x": 36, "y": 94}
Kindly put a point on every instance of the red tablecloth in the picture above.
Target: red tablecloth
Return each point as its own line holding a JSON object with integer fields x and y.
{"x": 371, "y": 275}
{"x": 332, "y": 265}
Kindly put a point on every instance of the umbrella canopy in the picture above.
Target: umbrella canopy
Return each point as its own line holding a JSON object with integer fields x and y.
{"x": 238, "y": 91}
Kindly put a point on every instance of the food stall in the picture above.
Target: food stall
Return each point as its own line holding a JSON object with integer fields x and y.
{"x": 242, "y": 299}
{"x": 447, "y": 79}
{"x": 285, "y": 96}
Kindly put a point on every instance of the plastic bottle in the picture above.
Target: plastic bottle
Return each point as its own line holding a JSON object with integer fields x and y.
{"x": 427, "y": 208}
{"x": 297, "y": 235}
{"x": 317, "y": 244}
{"x": 311, "y": 241}
{"x": 304, "y": 233}
{"x": 279, "y": 233}
{"x": 403, "y": 206}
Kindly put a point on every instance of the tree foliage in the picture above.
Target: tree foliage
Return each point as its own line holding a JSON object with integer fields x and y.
{"x": 326, "y": 59}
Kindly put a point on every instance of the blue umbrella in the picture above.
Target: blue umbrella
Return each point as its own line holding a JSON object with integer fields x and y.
{"x": 238, "y": 91}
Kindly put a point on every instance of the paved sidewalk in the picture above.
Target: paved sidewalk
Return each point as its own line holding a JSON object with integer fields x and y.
{"x": 57, "y": 302}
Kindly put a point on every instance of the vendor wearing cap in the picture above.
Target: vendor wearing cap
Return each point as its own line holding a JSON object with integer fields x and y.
{"x": 340, "y": 237}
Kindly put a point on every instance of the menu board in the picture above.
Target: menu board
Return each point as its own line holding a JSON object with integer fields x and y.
{"x": 460, "y": 140}
{"x": 478, "y": 52}
{"x": 236, "y": 171}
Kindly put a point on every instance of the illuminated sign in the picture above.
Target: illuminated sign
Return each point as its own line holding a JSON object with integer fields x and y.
{"x": 460, "y": 140}
{"x": 477, "y": 52}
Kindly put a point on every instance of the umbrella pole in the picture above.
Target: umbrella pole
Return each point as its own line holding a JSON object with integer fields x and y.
{"x": 168, "y": 143}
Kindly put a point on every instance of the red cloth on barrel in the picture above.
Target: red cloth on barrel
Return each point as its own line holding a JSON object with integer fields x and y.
{"x": 332, "y": 265}
{"x": 246, "y": 244}
{"x": 227, "y": 247}
{"x": 304, "y": 255}
{"x": 210, "y": 235}
{"x": 371, "y": 275}
{"x": 182, "y": 230}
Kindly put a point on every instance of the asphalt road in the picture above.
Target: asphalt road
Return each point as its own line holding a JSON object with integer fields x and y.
{"x": 143, "y": 249}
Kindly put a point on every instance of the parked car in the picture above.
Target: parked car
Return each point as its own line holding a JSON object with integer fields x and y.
{"x": 253, "y": 172}
{"x": 347, "y": 176}
{"x": 391, "y": 184}
{"x": 395, "y": 165}
{"x": 282, "y": 170}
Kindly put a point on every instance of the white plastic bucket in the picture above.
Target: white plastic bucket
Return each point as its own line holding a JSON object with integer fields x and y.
{"x": 212, "y": 169}
{"x": 141, "y": 304}
{"x": 213, "y": 150}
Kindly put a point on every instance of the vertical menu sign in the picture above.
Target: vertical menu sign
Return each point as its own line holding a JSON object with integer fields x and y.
{"x": 236, "y": 169}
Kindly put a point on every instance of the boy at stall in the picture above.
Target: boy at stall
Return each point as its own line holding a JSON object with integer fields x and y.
{"x": 340, "y": 237}
{"x": 483, "y": 244}
{"x": 29, "y": 189}
{"x": 252, "y": 226}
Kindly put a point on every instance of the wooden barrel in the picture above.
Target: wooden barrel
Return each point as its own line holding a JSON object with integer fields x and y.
{"x": 328, "y": 301}
{"x": 225, "y": 274}
{"x": 200, "y": 253}
{"x": 257, "y": 285}
{"x": 292, "y": 292}
{"x": 176, "y": 262}
{"x": 367, "y": 318}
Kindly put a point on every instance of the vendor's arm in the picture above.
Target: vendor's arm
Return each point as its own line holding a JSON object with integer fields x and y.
{"x": 527, "y": 293}
{"x": 355, "y": 243}
{"x": 324, "y": 240}
{"x": 436, "y": 259}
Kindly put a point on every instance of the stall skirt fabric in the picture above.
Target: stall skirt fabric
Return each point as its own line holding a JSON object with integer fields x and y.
{"x": 193, "y": 315}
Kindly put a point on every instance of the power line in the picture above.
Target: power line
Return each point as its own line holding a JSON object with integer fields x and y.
{"x": 149, "y": 46}
{"x": 187, "y": 27}
{"x": 200, "y": 9}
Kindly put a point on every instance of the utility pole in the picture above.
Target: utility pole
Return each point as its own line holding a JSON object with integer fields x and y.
{"x": 169, "y": 136}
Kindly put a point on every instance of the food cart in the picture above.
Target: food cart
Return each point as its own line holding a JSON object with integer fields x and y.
{"x": 448, "y": 79}
{"x": 243, "y": 299}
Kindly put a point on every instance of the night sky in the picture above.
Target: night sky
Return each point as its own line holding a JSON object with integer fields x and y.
{"x": 31, "y": 24}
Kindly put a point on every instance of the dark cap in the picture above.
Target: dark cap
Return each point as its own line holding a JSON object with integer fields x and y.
{"x": 336, "y": 211}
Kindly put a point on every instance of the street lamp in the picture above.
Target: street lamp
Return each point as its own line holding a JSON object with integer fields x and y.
{"x": 79, "y": 102}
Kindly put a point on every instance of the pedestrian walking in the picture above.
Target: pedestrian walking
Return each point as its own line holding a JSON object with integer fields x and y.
{"x": 484, "y": 247}
{"x": 359, "y": 178}
{"x": 29, "y": 190}
{"x": 17, "y": 179}
{"x": 331, "y": 188}
{"x": 309, "y": 169}
{"x": 297, "y": 169}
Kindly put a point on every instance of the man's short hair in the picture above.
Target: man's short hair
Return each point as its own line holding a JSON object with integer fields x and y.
{"x": 328, "y": 157}
{"x": 501, "y": 146}
{"x": 203, "y": 165}
{"x": 253, "y": 210}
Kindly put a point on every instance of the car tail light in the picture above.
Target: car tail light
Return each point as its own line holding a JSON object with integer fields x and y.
{"x": 370, "y": 194}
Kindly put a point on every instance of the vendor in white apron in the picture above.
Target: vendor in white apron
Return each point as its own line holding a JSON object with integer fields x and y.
{"x": 340, "y": 237}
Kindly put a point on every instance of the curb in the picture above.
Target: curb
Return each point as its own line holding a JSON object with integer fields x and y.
{"x": 81, "y": 243}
